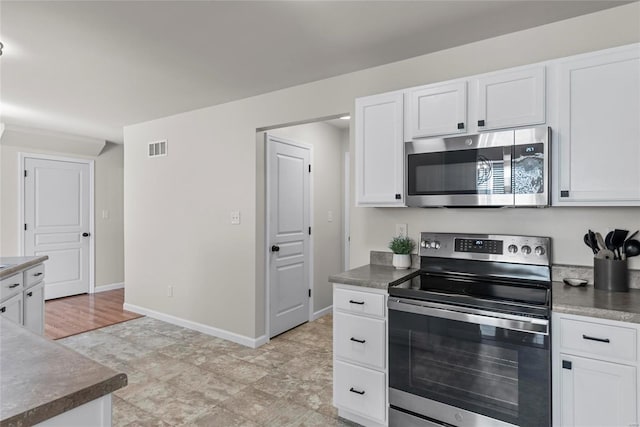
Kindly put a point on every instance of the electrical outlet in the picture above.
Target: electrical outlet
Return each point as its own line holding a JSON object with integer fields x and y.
{"x": 105, "y": 213}
{"x": 170, "y": 291}
{"x": 330, "y": 216}
{"x": 235, "y": 217}
{"x": 402, "y": 230}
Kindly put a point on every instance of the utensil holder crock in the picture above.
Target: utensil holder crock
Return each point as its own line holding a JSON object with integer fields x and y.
{"x": 610, "y": 275}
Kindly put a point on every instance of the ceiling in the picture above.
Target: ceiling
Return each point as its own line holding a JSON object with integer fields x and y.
{"x": 92, "y": 67}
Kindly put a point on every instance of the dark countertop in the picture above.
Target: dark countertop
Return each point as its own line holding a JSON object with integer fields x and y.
{"x": 41, "y": 378}
{"x": 373, "y": 276}
{"x": 587, "y": 301}
{"x": 19, "y": 263}
{"x": 582, "y": 301}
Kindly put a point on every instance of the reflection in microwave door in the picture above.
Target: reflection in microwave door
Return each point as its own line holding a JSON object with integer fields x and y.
{"x": 484, "y": 170}
{"x": 529, "y": 174}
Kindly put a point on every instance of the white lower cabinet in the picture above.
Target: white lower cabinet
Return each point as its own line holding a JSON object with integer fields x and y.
{"x": 12, "y": 308}
{"x": 360, "y": 354}
{"x": 595, "y": 372}
{"x": 34, "y": 308}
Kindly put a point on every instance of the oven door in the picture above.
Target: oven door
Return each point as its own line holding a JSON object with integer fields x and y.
{"x": 467, "y": 367}
{"x": 474, "y": 170}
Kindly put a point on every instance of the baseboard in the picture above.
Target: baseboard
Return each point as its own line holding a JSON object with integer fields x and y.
{"x": 109, "y": 287}
{"x": 205, "y": 329}
{"x": 318, "y": 314}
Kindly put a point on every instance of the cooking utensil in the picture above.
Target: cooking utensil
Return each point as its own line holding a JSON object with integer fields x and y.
{"x": 605, "y": 254}
{"x": 593, "y": 241}
{"x": 618, "y": 239}
{"x": 588, "y": 243}
{"x": 631, "y": 248}
{"x": 600, "y": 241}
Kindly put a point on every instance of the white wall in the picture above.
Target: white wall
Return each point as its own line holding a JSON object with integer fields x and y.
{"x": 326, "y": 167}
{"x": 177, "y": 228}
{"x": 109, "y": 189}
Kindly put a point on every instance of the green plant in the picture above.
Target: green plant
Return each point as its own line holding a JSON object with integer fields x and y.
{"x": 401, "y": 245}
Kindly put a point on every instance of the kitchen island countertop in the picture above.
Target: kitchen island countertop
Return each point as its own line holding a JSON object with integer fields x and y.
{"x": 41, "y": 378}
{"x": 18, "y": 263}
{"x": 373, "y": 276}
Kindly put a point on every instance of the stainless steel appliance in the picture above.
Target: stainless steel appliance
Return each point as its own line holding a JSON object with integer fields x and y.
{"x": 469, "y": 337}
{"x": 507, "y": 168}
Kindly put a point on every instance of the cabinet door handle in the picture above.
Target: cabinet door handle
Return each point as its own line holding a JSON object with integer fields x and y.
{"x": 566, "y": 364}
{"x": 480, "y": 122}
{"x": 275, "y": 248}
{"x": 357, "y": 340}
{"x": 15, "y": 285}
{"x": 356, "y": 302}
{"x": 29, "y": 294}
{"x": 461, "y": 125}
{"x": 398, "y": 197}
{"x": 3, "y": 309}
{"x": 38, "y": 274}
{"x": 587, "y": 337}
{"x": 353, "y": 390}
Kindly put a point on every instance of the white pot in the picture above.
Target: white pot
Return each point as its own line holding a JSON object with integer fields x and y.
{"x": 401, "y": 261}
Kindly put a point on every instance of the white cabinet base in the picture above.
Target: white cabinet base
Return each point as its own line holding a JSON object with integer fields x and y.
{"x": 96, "y": 413}
{"x": 343, "y": 413}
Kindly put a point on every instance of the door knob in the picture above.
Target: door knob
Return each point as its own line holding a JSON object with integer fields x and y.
{"x": 275, "y": 248}
{"x": 86, "y": 234}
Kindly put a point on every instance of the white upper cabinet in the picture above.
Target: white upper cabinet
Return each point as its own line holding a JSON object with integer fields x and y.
{"x": 379, "y": 150}
{"x": 598, "y": 135}
{"x": 510, "y": 98}
{"x": 438, "y": 110}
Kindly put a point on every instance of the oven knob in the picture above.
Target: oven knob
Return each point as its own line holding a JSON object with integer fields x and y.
{"x": 512, "y": 249}
{"x": 435, "y": 245}
{"x": 540, "y": 250}
{"x": 526, "y": 249}
{"x": 424, "y": 244}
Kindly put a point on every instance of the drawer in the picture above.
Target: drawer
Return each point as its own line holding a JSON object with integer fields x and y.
{"x": 359, "y": 302}
{"x": 360, "y": 390}
{"x": 33, "y": 275}
{"x": 360, "y": 339}
{"x": 11, "y": 285}
{"x": 596, "y": 339}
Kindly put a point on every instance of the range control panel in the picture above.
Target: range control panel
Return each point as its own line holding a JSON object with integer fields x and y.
{"x": 487, "y": 247}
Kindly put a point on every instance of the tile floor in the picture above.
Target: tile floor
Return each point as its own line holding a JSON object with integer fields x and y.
{"x": 181, "y": 377}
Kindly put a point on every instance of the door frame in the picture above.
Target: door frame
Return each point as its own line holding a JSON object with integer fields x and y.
{"x": 22, "y": 157}
{"x": 267, "y": 229}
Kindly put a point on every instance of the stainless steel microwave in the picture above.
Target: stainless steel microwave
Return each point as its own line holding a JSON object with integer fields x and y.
{"x": 493, "y": 169}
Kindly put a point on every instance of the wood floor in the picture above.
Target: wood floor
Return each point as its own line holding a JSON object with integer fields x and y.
{"x": 81, "y": 313}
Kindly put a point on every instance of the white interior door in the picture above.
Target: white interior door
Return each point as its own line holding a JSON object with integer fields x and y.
{"x": 57, "y": 222}
{"x": 288, "y": 211}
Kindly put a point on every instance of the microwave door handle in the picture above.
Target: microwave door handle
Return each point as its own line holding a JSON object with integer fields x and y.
{"x": 508, "y": 167}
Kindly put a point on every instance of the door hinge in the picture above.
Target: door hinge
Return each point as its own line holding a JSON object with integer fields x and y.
{"x": 25, "y": 173}
{"x": 309, "y": 293}
{"x": 309, "y": 231}
{"x": 25, "y": 226}
{"x": 309, "y": 168}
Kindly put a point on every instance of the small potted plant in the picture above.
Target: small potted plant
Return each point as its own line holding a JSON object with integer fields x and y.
{"x": 401, "y": 247}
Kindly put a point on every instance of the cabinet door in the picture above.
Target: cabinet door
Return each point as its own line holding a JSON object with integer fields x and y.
{"x": 597, "y": 394}
{"x": 599, "y": 130}
{"x": 438, "y": 110}
{"x": 510, "y": 99}
{"x": 12, "y": 309}
{"x": 34, "y": 308}
{"x": 379, "y": 150}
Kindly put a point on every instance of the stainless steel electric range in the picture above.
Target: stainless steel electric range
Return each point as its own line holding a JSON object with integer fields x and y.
{"x": 469, "y": 337}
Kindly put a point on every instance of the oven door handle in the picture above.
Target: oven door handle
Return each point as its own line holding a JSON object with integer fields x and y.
{"x": 461, "y": 314}
{"x": 507, "y": 167}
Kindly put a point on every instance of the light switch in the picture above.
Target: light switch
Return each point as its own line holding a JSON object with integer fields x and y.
{"x": 235, "y": 217}
{"x": 401, "y": 230}
{"x": 105, "y": 213}
{"x": 330, "y": 216}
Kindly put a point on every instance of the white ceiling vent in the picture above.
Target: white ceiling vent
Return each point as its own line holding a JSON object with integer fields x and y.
{"x": 158, "y": 148}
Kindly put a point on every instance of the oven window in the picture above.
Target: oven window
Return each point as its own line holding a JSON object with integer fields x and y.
{"x": 479, "y": 171}
{"x": 496, "y": 372}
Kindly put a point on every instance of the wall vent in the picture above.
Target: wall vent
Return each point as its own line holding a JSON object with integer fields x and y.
{"x": 158, "y": 148}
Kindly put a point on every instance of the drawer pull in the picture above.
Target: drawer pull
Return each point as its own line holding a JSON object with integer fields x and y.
{"x": 587, "y": 337}
{"x": 353, "y": 390}
{"x": 38, "y": 274}
{"x": 29, "y": 294}
{"x": 356, "y": 302}
{"x": 357, "y": 340}
{"x": 3, "y": 309}
{"x": 15, "y": 285}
